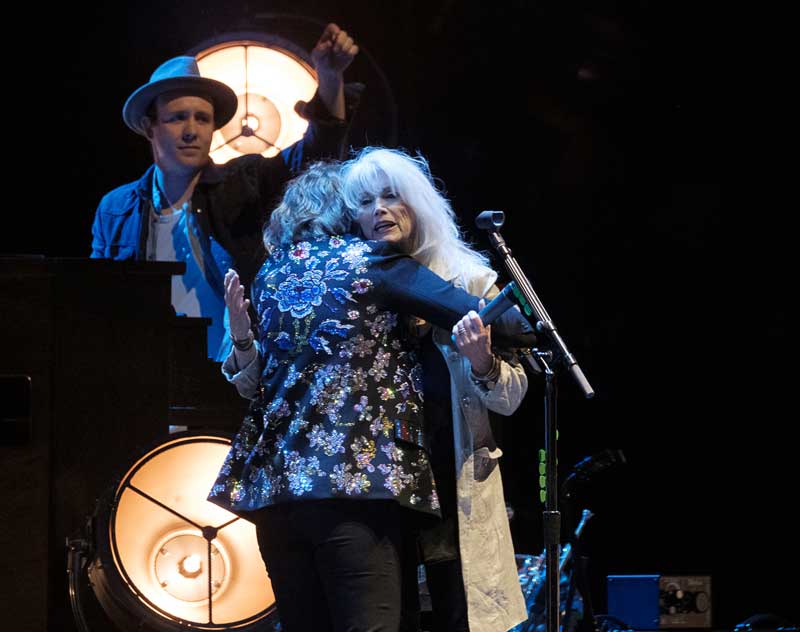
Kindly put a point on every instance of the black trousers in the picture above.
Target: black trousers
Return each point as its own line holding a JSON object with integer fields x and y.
{"x": 335, "y": 565}
{"x": 448, "y": 601}
{"x": 445, "y": 586}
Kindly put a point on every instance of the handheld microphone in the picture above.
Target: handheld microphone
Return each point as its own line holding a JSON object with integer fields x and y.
{"x": 497, "y": 306}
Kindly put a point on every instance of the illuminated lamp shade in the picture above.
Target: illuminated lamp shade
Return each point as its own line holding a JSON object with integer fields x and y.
{"x": 166, "y": 559}
{"x": 269, "y": 80}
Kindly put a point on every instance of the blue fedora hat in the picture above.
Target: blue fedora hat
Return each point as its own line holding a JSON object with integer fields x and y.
{"x": 179, "y": 73}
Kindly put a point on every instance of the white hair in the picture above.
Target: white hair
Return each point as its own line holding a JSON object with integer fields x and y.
{"x": 437, "y": 241}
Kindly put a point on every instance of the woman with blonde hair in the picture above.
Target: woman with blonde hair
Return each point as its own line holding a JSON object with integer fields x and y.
{"x": 469, "y": 557}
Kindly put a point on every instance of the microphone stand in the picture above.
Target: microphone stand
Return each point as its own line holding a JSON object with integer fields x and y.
{"x": 491, "y": 221}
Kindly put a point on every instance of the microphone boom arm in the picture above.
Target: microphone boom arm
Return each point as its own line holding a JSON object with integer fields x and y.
{"x": 492, "y": 220}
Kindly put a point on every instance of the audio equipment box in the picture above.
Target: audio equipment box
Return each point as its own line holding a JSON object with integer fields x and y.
{"x": 652, "y": 602}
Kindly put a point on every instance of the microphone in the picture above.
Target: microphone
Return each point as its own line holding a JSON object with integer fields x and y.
{"x": 490, "y": 220}
{"x": 497, "y": 306}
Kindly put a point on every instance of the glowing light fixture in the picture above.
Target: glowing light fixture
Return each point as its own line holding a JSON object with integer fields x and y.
{"x": 269, "y": 80}
{"x": 167, "y": 559}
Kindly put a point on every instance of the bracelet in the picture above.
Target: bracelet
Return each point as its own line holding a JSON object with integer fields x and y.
{"x": 243, "y": 345}
{"x": 491, "y": 375}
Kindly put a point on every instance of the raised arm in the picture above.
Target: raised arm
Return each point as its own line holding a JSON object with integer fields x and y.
{"x": 329, "y": 114}
{"x": 332, "y": 54}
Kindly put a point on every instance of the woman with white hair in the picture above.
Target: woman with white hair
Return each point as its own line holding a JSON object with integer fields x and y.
{"x": 469, "y": 557}
{"x": 330, "y": 462}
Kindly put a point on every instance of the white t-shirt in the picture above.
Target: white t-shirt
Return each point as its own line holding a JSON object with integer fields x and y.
{"x": 168, "y": 240}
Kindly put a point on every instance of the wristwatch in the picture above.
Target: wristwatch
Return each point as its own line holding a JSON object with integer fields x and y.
{"x": 243, "y": 345}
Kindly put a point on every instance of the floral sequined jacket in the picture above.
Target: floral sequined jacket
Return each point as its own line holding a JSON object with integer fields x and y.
{"x": 338, "y": 404}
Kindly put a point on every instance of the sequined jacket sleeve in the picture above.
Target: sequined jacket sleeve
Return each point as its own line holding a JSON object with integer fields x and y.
{"x": 408, "y": 287}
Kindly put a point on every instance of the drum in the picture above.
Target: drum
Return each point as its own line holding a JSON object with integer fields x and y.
{"x": 164, "y": 558}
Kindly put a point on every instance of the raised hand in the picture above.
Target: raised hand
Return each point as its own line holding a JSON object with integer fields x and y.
{"x": 238, "y": 305}
{"x": 333, "y": 52}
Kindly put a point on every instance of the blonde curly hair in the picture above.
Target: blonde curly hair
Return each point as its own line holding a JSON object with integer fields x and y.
{"x": 312, "y": 207}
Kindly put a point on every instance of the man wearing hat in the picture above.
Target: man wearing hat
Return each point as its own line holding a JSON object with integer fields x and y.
{"x": 185, "y": 207}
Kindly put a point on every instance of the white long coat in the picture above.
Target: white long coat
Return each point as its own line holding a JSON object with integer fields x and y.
{"x": 494, "y": 596}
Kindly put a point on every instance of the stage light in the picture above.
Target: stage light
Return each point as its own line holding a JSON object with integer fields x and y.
{"x": 269, "y": 77}
{"x": 162, "y": 558}
{"x": 269, "y": 68}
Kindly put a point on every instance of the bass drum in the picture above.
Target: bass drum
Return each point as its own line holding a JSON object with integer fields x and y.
{"x": 166, "y": 559}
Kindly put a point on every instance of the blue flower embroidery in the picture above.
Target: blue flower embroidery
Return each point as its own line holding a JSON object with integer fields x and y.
{"x": 300, "y": 295}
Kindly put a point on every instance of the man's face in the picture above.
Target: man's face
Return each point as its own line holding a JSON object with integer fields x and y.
{"x": 181, "y": 133}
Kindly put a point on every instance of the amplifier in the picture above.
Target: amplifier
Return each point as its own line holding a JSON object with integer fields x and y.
{"x": 684, "y": 601}
{"x": 652, "y": 602}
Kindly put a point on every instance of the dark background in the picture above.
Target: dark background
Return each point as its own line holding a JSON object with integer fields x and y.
{"x": 629, "y": 203}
